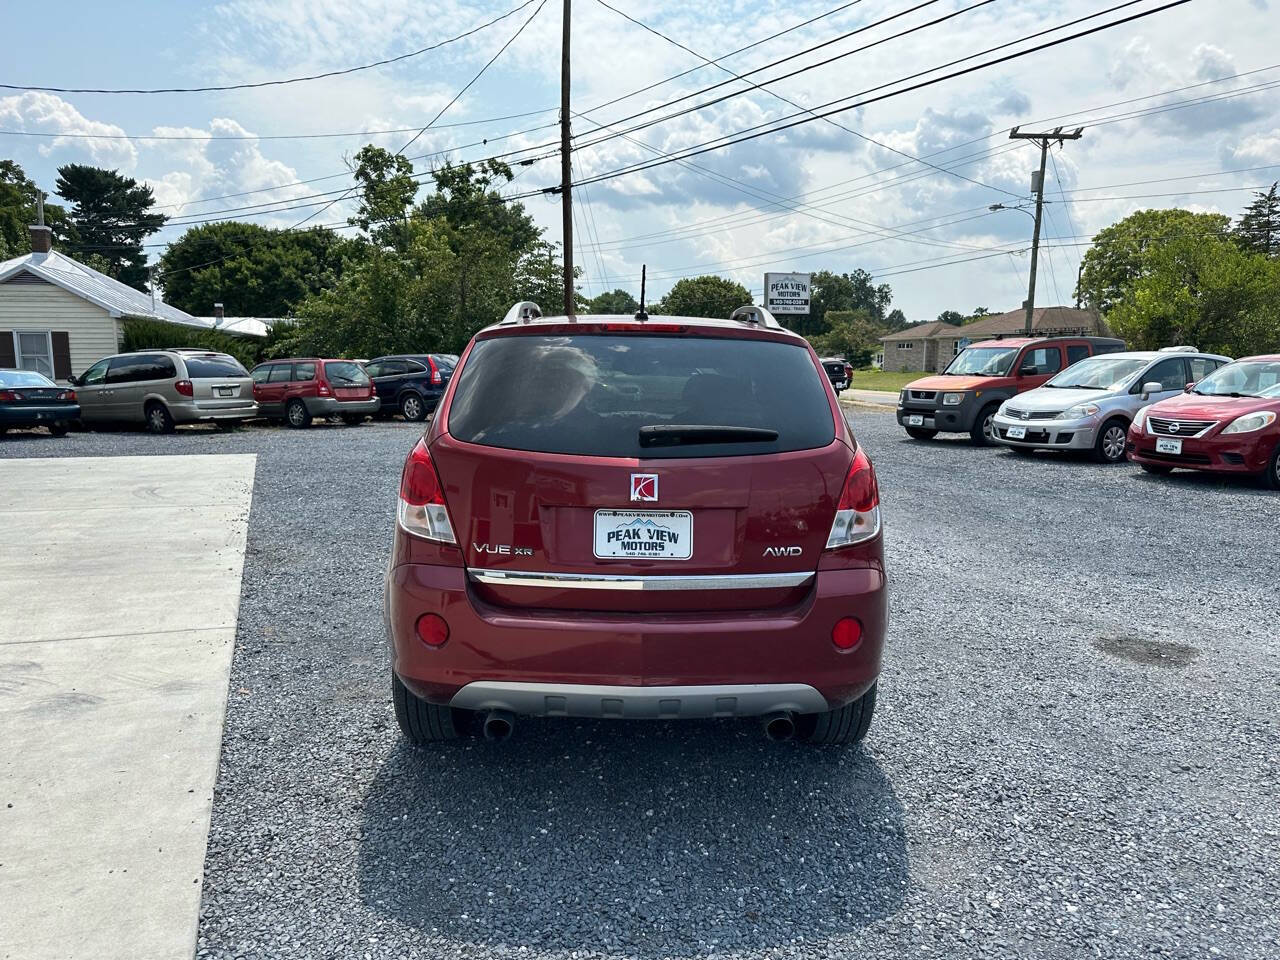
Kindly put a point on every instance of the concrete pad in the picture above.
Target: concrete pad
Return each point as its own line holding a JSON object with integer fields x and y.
{"x": 118, "y": 624}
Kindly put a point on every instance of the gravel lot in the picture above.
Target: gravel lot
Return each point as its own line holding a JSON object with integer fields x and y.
{"x": 1074, "y": 754}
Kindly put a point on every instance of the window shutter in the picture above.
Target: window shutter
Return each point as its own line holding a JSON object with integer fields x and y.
{"x": 61, "y": 354}
{"x": 7, "y": 356}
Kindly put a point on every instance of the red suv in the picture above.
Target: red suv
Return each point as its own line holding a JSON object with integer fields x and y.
{"x": 296, "y": 390}
{"x": 637, "y": 518}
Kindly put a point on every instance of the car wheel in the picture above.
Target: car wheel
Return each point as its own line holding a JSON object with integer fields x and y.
{"x": 835, "y": 728}
{"x": 983, "y": 428}
{"x": 1272, "y": 477}
{"x": 1155, "y": 468}
{"x": 412, "y": 407}
{"x": 296, "y": 414}
{"x": 1109, "y": 447}
{"x": 422, "y": 722}
{"x": 159, "y": 420}
{"x": 58, "y": 429}
{"x": 919, "y": 433}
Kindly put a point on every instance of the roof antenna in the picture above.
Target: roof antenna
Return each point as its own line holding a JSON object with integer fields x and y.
{"x": 640, "y": 314}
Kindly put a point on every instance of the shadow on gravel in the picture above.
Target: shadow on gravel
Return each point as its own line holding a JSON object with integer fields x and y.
{"x": 645, "y": 838}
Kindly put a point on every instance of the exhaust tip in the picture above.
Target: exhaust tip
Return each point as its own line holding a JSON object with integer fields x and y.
{"x": 498, "y": 725}
{"x": 779, "y": 726}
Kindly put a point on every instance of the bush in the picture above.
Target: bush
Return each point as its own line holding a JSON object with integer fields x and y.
{"x": 141, "y": 334}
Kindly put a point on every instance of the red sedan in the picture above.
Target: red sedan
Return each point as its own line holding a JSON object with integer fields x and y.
{"x": 624, "y": 517}
{"x": 1229, "y": 422}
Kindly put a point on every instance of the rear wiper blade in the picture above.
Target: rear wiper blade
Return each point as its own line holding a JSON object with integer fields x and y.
{"x": 677, "y": 434}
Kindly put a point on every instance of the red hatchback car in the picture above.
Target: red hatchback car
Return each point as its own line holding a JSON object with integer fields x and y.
{"x": 1229, "y": 422}
{"x": 626, "y": 517}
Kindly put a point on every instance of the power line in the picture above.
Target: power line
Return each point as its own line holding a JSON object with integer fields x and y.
{"x": 274, "y": 83}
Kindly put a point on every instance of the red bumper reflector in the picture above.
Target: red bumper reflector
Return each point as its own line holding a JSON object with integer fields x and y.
{"x": 847, "y": 634}
{"x": 432, "y": 630}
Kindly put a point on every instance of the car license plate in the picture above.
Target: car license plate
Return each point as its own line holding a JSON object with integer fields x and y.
{"x": 841, "y": 384}
{"x": 1165, "y": 445}
{"x": 644, "y": 534}
{"x": 1017, "y": 433}
{"x": 915, "y": 420}
{"x": 226, "y": 391}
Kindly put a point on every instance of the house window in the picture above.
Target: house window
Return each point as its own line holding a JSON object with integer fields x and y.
{"x": 34, "y": 351}
{"x": 906, "y": 345}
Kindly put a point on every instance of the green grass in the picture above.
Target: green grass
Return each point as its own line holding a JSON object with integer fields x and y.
{"x": 882, "y": 380}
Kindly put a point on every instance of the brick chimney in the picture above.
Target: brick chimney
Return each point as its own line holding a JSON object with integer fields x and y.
{"x": 41, "y": 238}
{"x": 217, "y": 315}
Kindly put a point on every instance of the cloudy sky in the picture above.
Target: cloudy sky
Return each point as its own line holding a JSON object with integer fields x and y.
{"x": 837, "y": 193}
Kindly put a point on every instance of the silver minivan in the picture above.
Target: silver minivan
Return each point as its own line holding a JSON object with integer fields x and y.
{"x": 161, "y": 388}
{"x": 1090, "y": 405}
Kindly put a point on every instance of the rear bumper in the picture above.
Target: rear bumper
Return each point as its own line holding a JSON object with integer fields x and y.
{"x": 332, "y": 406}
{"x": 37, "y": 416}
{"x": 192, "y": 411}
{"x": 1235, "y": 453}
{"x": 582, "y": 663}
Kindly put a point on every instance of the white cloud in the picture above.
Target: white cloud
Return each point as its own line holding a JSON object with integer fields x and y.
{"x": 37, "y": 112}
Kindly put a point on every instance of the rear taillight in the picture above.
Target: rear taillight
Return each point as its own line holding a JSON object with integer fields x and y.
{"x": 322, "y": 388}
{"x": 848, "y": 371}
{"x": 435, "y": 371}
{"x": 8, "y": 396}
{"x": 422, "y": 510}
{"x": 858, "y": 512}
{"x": 185, "y": 388}
{"x": 68, "y": 395}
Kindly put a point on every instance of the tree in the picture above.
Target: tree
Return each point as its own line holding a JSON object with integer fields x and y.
{"x": 1124, "y": 252}
{"x": 1259, "y": 226}
{"x": 387, "y": 189}
{"x": 896, "y": 320}
{"x": 844, "y": 291}
{"x": 705, "y": 296}
{"x": 466, "y": 196}
{"x": 112, "y": 216}
{"x": 952, "y": 317}
{"x": 852, "y": 334}
{"x": 253, "y": 271}
{"x": 18, "y": 211}
{"x": 614, "y": 301}
{"x": 1202, "y": 290}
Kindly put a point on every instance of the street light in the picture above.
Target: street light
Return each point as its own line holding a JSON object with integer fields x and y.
{"x": 1000, "y": 206}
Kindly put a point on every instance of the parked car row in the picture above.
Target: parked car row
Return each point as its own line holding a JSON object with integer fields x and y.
{"x": 163, "y": 388}
{"x": 1165, "y": 409}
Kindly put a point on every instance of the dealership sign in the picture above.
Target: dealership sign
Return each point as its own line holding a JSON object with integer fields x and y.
{"x": 786, "y": 292}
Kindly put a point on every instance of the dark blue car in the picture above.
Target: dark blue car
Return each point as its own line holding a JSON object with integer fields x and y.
{"x": 410, "y": 384}
{"x": 30, "y": 399}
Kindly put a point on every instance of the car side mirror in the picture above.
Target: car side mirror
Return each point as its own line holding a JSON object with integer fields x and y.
{"x": 1188, "y": 388}
{"x": 1028, "y": 371}
{"x": 74, "y": 380}
{"x": 1149, "y": 388}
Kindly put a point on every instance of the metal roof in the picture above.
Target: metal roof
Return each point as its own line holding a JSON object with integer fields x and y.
{"x": 244, "y": 326}
{"x": 118, "y": 299}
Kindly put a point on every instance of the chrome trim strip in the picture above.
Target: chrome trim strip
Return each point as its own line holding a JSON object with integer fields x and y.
{"x": 639, "y": 703}
{"x": 605, "y": 581}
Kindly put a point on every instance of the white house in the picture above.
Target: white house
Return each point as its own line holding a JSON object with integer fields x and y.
{"x": 59, "y": 317}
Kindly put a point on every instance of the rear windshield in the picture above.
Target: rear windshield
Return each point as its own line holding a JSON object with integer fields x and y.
{"x": 344, "y": 373}
{"x": 592, "y": 394}
{"x": 24, "y": 378}
{"x": 198, "y": 367}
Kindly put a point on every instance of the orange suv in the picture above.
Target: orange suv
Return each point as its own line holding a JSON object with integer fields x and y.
{"x": 964, "y": 397}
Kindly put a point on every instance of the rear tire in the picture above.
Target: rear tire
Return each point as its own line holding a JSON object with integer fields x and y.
{"x": 413, "y": 408}
{"x": 58, "y": 429}
{"x": 159, "y": 420}
{"x": 422, "y": 722}
{"x": 919, "y": 433}
{"x": 848, "y": 724}
{"x": 1109, "y": 447}
{"x": 982, "y": 432}
{"x": 296, "y": 415}
{"x": 1158, "y": 470}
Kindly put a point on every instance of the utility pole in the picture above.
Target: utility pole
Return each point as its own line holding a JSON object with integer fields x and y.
{"x": 1037, "y": 187}
{"x": 566, "y": 169}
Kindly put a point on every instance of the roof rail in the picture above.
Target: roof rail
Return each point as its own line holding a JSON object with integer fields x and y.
{"x": 522, "y": 312}
{"x": 757, "y": 316}
{"x": 1180, "y": 349}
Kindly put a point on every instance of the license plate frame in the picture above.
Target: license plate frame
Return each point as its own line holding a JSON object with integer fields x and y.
{"x": 659, "y": 535}
{"x": 1169, "y": 445}
{"x": 226, "y": 391}
{"x": 915, "y": 420}
{"x": 1016, "y": 433}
